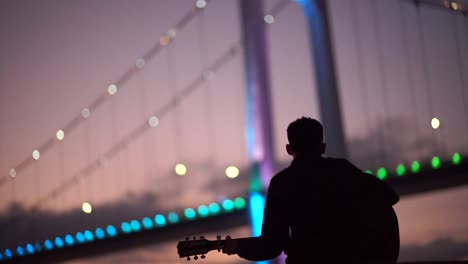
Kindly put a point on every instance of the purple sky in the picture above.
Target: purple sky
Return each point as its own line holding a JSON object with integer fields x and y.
{"x": 56, "y": 57}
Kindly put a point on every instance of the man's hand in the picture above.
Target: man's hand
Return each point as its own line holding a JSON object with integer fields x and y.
{"x": 230, "y": 246}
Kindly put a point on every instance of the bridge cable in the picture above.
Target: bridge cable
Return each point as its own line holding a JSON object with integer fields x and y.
{"x": 409, "y": 74}
{"x": 427, "y": 84}
{"x": 101, "y": 160}
{"x": 362, "y": 78}
{"x": 385, "y": 126}
{"x": 172, "y": 85}
{"x": 463, "y": 82}
{"x": 165, "y": 40}
{"x": 208, "y": 99}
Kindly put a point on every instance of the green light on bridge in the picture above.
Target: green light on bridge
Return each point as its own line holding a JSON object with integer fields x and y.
{"x": 239, "y": 203}
{"x": 435, "y": 162}
{"x": 400, "y": 169}
{"x": 456, "y": 158}
{"x": 415, "y": 167}
{"x": 382, "y": 173}
{"x": 228, "y": 205}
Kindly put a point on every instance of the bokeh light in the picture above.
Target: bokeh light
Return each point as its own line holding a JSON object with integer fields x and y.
{"x": 36, "y": 154}
{"x": 12, "y": 173}
{"x": 87, "y": 208}
{"x": 415, "y": 167}
{"x": 456, "y": 158}
{"x": 269, "y": 19}
{"x": 153, "y": 121}
{"x": 60, "y": 134}
{"x": 180, "y": 169}
{"x": 435, "y": 123}
{"x": 232, "y": 172}
{"x": 112, "y": 89}
{"x": 201, "y": 3}
{"x": 400, "y": 170}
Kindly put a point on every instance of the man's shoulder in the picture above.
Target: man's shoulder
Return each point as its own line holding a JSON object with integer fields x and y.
{"x": 340, "y": 163}
{"x": 281, "y": 174}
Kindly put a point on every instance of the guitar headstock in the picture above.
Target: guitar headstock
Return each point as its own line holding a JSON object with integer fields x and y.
{"x": 194, "y": 247}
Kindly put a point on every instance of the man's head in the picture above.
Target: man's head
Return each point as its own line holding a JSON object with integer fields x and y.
{"x": 305, "y": 136}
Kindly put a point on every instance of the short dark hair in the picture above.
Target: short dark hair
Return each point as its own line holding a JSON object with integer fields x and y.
{"x": 305, "y": 134}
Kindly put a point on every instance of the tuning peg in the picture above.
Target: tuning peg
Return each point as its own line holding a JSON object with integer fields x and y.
{"x": 188, "y": 258}
{"x": 203, "y": 256}
{"x": 196, "y": 257}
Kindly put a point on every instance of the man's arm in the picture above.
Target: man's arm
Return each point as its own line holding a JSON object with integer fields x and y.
{"x": 275, "y": 231}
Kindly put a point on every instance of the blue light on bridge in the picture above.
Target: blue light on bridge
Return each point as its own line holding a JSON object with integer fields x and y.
{"x": 160, "y": 220}
{"x": 135, "y": 225}
{"x": 173, "y": 217}
{"x": 125, "y": 227}
{"x": 8, "y": 253}
{"x": 48, "y": 245}
{"x": 30, "y": 249}
{"x": 203, "y": 211}
{"x": 190, "y": 213}
{"x": 38, "y": 247}
{"x": 20, "y": 251}
{"x": 228, "y": 205}
{"x": 214, "y": 208}
{"x": 58, "y": 242}
{"x": 257, "y": 203}
{"x": 99, "y": 233}
{"x": 88, "y": 236}
{"x": 69, "y": 240}
{"x": 111, "y": 231}
{"x": 80, "y": 237}
{"x": 147, "y": 223}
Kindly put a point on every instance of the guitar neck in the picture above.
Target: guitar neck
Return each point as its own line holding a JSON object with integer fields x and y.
{"x": 201, "y": 246}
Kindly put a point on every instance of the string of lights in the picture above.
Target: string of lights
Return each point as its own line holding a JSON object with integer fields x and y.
{"x": 153, "y": 121}
{"x": 383, "y": 79}
{"x": 409, "y": 74}
{"x": 111, "y": 90}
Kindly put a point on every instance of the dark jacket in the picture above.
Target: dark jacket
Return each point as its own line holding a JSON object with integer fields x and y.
{"x": 326, "y": 210}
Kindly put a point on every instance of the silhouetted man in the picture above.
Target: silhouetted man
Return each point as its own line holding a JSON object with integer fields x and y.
{"x": 323, "y": 210}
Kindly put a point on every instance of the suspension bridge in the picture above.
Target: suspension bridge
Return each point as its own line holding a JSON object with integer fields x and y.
{"x": 185, "y": 138}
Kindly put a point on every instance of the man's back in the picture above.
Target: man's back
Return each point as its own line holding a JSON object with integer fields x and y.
{"x": 351, "y": 212}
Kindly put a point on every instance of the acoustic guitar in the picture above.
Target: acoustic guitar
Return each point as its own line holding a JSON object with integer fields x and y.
{"x": 199, "y": 247}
